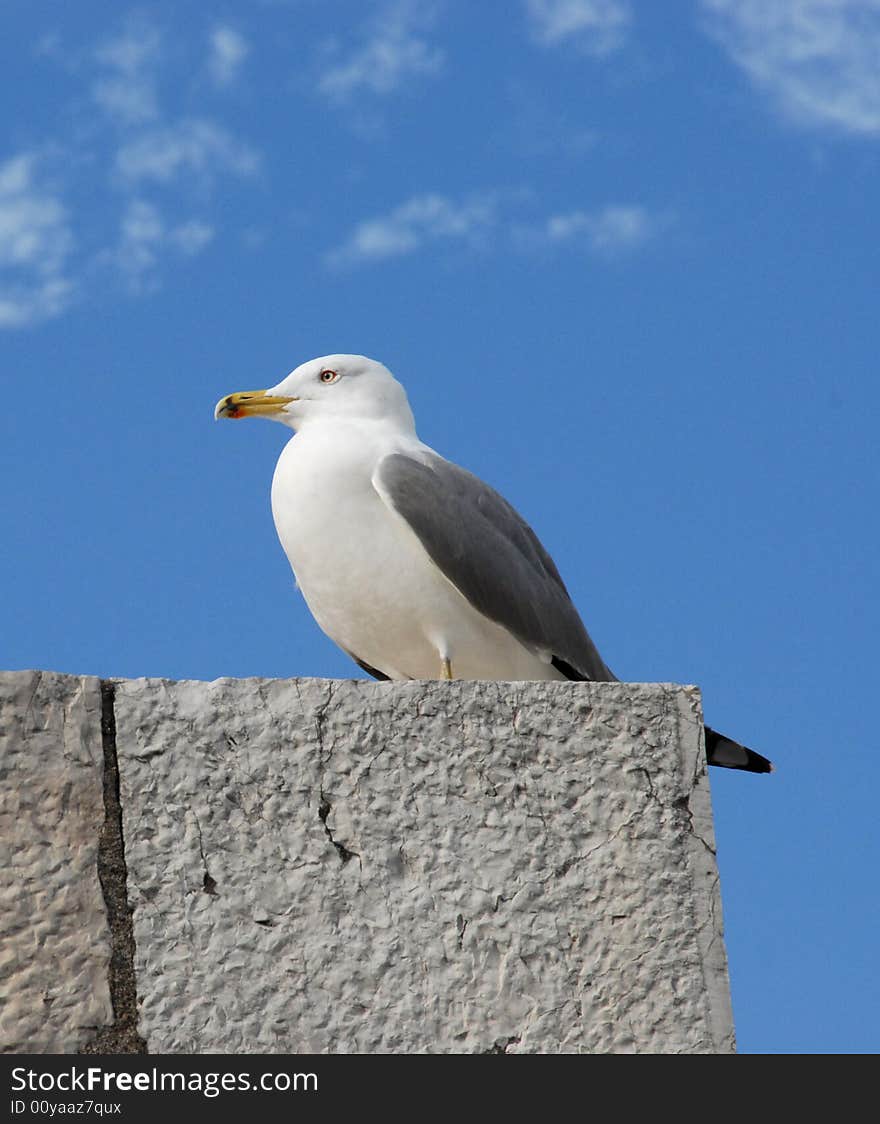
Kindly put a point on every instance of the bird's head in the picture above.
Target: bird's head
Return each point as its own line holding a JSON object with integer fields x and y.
{"x": 333, "y": 387}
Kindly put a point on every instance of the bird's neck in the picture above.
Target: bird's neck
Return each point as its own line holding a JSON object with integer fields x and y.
{"x": 345, "y": 447}
{"x": 375, "y": 435}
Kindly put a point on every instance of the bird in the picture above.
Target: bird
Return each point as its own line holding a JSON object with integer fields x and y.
{"x": 412, "y": 565}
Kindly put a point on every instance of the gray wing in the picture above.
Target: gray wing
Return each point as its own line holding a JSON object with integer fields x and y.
{"x": 491, "y": 555}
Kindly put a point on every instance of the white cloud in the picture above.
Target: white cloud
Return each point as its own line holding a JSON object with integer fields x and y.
{"x": 144, "y": 236}
{"x": 126, "y": 88}
{"x": 21, "y": 305}
{"x": 131, "y": 142}
{"x": 228, "y": 50}
{"x": 394, "y": 51}
{"x": 420, "y": 220}
{"x": 429, "y": 219}
{"x": 190, "y": 238}
{"x": 152, "y": 148}
{"x": 610, "y": 230}
{"x": 596, "y": 26}
{"x": 141, "y": 234}
{"x": 818, "y": 59}
{"x": 35, "y": 242}
{"x": 198, "y": 147}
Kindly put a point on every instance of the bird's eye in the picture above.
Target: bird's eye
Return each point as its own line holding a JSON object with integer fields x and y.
{"x": 329, "y": 376}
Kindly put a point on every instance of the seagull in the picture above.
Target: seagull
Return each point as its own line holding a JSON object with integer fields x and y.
{"x": 415, "y": 567}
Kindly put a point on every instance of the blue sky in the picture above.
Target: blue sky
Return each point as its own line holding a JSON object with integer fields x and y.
{"x": 624, "y": 256}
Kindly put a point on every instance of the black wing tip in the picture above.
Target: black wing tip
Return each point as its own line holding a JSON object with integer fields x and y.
{"x": 364, "y": 666}
{"x": 729, "y": 754}
{"x": 754, "y": 763}
{"x": 568, "y": 670}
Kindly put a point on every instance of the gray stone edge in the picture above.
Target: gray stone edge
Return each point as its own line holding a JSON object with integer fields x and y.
{"x": 709, "y": 918}
{"x": 123, "y": 1037}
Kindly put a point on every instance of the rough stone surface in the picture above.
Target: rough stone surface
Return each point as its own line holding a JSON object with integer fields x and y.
{"x": 343, "y": 866}
{"x": 53, "y": 926}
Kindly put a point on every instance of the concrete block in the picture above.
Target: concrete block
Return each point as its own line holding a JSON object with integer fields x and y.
{"x": 345, "y": 866}
{"x": 53, "y": 927}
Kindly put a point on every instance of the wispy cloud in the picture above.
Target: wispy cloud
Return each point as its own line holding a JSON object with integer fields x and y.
{"x": 125, "y": 88}
{"x": 150, "y": 166}
{"x": 596, "y": 26}
{"x": 819, "y": 60}
{"x": 35, "y": 243}
{"x": 155, "y": 147}
{"x": 609, "y": 230}
{"x": 145, "y": 236}
{"x": 393, "y": 50}
{"x": 415, "y": 223}
{"x": 196, "y": 147}
{"x": 495, "y": 217}
{"x": 227, "y": 51}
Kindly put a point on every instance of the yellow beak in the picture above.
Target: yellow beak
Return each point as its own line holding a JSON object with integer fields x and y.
{"x": 250, "y": 403}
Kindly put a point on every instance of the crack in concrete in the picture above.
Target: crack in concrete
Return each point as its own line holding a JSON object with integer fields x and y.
{"x": 502, "y": 1045}
{"x": 652, "y": 792}
{"x": 122, "y": 1037}
{"x": 324, "y": 806}
{"x": 319, "y": 724}
{"x": 344, "y": 853}
{"x": 209, "y": 884}
{"x": 29, "y": 709}
{"x": 685, "y": 805}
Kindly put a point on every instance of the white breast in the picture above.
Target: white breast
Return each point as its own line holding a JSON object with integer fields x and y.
{"x": 366, "y": 578}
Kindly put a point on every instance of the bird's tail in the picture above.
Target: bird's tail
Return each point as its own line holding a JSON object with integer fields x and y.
{"x": 731, "y": 755}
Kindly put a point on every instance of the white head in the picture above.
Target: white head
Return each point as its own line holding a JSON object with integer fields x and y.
{"x": 331, "y": 388}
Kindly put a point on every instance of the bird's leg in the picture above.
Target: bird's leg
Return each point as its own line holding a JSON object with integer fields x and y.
{"x": 446, "y": 666}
